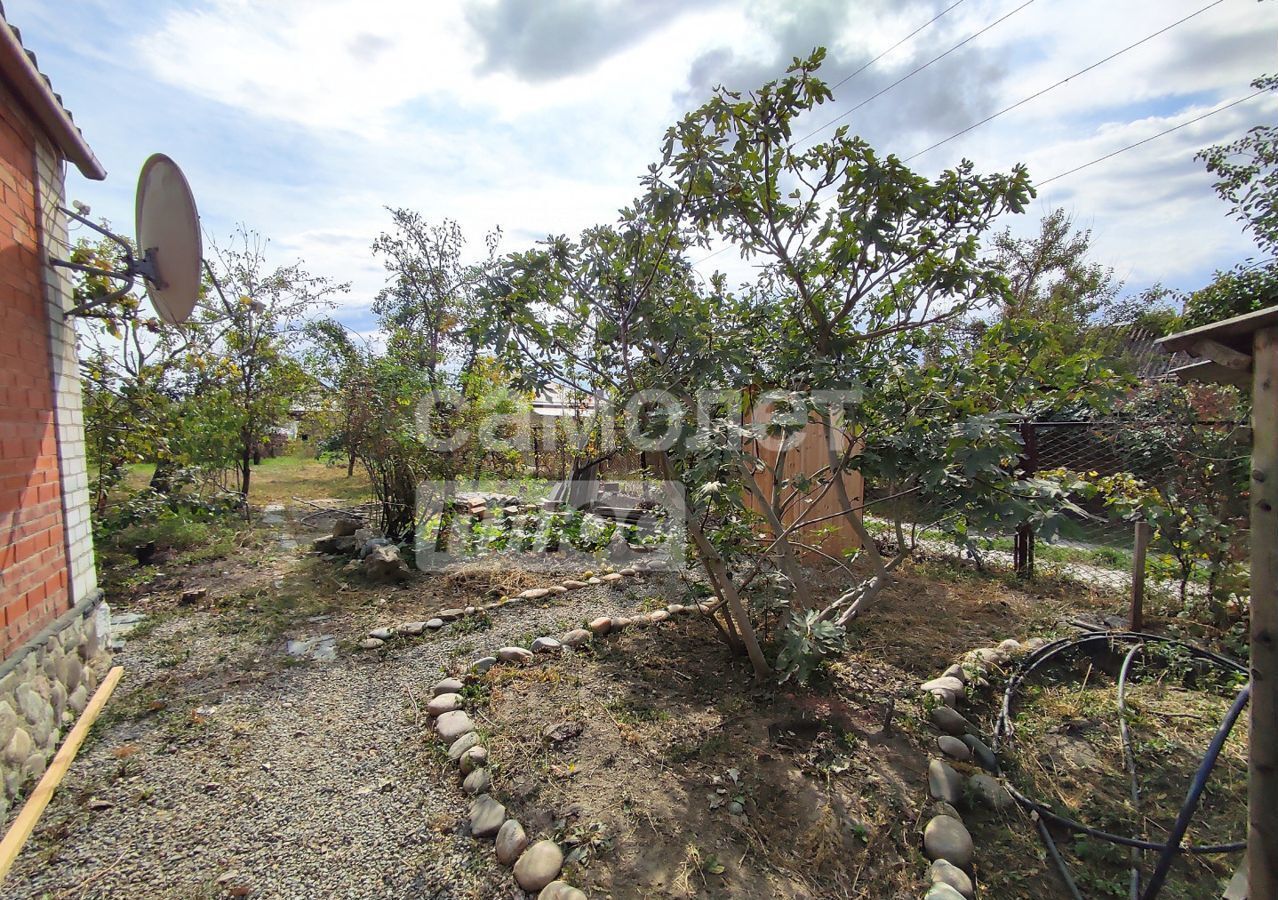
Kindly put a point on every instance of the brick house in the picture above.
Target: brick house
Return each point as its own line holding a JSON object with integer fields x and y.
{"x": 52, "y": 643}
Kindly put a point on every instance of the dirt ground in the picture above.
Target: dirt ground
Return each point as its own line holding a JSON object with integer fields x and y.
{"x": 683, "y": 777}
{"x": 679, "y": 776}
{"x": 225, "y": 767}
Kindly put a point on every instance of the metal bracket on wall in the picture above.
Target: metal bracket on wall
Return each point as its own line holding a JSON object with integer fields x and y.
{"x": 133, "y": 267}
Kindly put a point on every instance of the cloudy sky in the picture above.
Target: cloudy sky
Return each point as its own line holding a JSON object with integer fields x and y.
{"x": 305, "y": 118}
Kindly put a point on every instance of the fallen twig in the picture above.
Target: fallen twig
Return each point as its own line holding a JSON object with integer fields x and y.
{"x": 417, "y": 710}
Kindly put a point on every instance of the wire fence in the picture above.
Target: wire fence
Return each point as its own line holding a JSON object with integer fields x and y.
{"x": 1098, "y": 547}
{"x": 1192, "y": 476}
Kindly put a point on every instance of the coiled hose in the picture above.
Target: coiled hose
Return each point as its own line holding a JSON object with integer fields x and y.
{"x": 1169, "y": 850}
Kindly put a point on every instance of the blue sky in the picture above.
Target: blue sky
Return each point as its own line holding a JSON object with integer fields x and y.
{"x": 305, "y": 118}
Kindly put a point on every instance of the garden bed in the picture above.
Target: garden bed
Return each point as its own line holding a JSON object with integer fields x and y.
{"x": 668, "y": 772}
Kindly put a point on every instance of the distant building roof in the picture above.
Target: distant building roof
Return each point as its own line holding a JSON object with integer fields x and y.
{"x": 556, "y": 401}
{"x": 22, "y": 74}
{"x": 1152, "y": 360}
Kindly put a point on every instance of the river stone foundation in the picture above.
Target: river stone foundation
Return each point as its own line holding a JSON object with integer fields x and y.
{"x": 44, "y": 687}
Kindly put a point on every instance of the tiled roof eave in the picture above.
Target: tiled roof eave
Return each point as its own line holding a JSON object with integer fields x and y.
{"x": 21, "y": 72}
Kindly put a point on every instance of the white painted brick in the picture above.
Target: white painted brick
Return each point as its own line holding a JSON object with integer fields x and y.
{"x": 51, "y": 193}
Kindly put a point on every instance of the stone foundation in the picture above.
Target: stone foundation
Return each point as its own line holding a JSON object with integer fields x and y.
{"x": 43, "y": 689}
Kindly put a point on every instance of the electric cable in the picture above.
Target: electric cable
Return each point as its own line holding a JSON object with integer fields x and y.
{"x": 1152, "y": 137}
{"x": 847, "y": 78}
{"x": 929, "y": 22}
{"x": 913, "y": 72}
{"x": 1065, "y": 80}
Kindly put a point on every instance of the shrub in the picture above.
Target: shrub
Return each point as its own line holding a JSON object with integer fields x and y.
{"x": 174, "y": 531}
{"x": 184, "y": 518}
{"x": 805, "y": 642}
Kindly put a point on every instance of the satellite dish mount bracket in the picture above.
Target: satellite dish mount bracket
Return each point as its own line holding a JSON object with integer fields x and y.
{"x": 133, "y": 267}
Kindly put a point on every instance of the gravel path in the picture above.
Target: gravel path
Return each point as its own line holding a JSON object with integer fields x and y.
{"x": 220, "y": 769}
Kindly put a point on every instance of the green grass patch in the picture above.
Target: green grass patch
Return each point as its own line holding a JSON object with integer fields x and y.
{"x": 281, "y": 478}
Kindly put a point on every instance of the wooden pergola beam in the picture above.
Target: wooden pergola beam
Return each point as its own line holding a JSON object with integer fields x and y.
{"x": 1222, "y": 355}
{"x": 1262, "y": 778}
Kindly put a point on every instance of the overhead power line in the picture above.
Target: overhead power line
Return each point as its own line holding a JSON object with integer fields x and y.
{"x": 1019, "y": 103}
{"x": 913, "y": 72}
{"x": 924, "y": 26}
{"x": 1099, "y": 159}
{"x": 1065, "y": 80}
{"x": 1152, "y": 137}
{"x": 709, "y": 256}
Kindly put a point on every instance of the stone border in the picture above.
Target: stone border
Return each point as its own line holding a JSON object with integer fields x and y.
{"x": 946, "y": 840}
{"x": 379, "y": 636}
{"x": 536, "y": 867}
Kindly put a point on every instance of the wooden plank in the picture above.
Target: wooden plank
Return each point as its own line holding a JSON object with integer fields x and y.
{"x": 808, "y": 457}
{"x": 26, "y": 821}
{"x": 1222, "y": 355}
{"x": 1235, "y": 332}
{"x": 1262, "y": 782}
{"x": 1213, "y": 372}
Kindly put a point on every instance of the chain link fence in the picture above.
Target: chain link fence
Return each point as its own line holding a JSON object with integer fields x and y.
{"x": 1192, "y": 479}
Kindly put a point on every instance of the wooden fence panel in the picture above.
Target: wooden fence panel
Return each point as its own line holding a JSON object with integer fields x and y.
{"x": 808, "y": 457}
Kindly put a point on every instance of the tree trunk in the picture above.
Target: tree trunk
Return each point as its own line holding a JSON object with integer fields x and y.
{"x": 350, "y": 465}
{"x": 162, "y": 477}
{"x": 789, "y": 562}
{"x": 882, "y": 570}
{"x": 246, "y": 472}
{"x": 719, "y": 575}
{"x": 727, "y": 629}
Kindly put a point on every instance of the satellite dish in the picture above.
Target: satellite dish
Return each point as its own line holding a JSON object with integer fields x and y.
{"x": 169, "y": 241}
{"x": 169, "y": 238}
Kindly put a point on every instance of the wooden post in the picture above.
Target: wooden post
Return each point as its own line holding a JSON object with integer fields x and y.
{"x": 1139, "y": 548}
{"x": 1262, "y": 835}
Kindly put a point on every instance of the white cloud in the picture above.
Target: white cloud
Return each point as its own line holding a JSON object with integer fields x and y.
{"x": 399, "y": 102}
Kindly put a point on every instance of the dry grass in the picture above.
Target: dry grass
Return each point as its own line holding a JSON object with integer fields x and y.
{"x": 833, "y": 806}
{"x": 491, "y": 579}
{"x": 674, "y": 729}
{"x": 934, "y": 612}
{"x": 1068, "y": 752}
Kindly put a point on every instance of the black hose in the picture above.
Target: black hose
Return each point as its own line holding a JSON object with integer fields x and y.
{"x": 1121, "y": 840}
{"x": 1047, "y": 651}
{"x": 1196, "y": 789}
{"x": 1169, "y": 850}
{"x": 1058, "y": 859}
{"x": 1129, "y": 756}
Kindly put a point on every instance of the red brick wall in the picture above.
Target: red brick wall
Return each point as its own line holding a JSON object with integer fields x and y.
{"x": 33, "y": 570}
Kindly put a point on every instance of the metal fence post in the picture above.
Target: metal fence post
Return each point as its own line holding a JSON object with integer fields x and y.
{"x": 1023, "y": 551}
